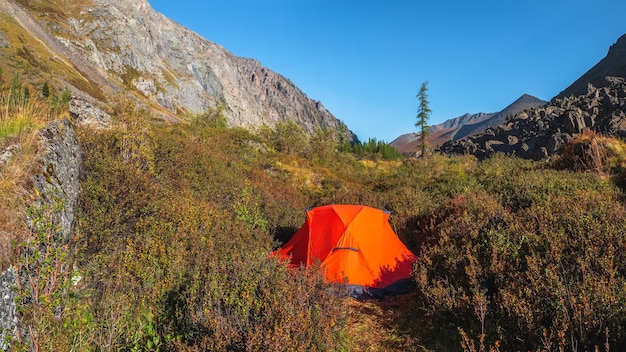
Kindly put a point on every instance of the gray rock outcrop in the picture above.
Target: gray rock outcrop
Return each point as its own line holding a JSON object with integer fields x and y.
{"x": 88, "y": 114}
{"x": 7, "y": 153}
{"x": 57, "y": 181}
{"x": 539, "y": 133}
{"x": 57, "y": 190}
{"x": 8, "y": 316}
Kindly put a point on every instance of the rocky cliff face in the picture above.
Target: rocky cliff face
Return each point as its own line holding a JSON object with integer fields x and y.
{"x": 57, "y": 180}
{"x": 57, "y": 190}
{"x": 540, "y": 132}
{"x": 124, "y": 45}
{"x": 8, "y": 316}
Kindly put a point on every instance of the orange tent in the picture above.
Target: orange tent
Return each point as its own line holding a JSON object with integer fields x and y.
{"x": 355, "y": 244}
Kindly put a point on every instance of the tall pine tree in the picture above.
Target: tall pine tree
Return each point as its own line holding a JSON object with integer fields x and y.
{"x": 423, "y": 115}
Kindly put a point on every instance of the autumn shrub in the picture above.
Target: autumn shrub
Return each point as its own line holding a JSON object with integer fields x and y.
{"x": 592, "y": 151}
{"x": 287, "y": 137}
{"x": 212, "y": 117}
{"x": 533, "y": 261}
{"x": 21, "y": 115}
{"x": 174, "y": 244}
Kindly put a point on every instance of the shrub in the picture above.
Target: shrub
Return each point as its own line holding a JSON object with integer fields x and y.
{"x": 176, "y": 256}
{"x": 20, "y": 118}
{"x": 530, "y": 264}
{"x": 593, "y": 152}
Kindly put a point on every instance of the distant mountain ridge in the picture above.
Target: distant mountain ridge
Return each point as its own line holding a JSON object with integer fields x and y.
{"x": 462, "y": 120}
{"x": 524, "y": 102}
{"x": 100, "y": 48}
{"x": 463, "y": 126}
{"x": 539, "y": 133}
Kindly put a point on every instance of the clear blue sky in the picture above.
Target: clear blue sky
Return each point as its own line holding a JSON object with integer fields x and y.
{"x": 365, "y": 60}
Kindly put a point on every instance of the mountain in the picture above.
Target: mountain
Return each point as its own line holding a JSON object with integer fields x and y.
{"x": 540, "y": 132}
{"x": 408, "y": 143}
{"x": 524, "y": 102}
{"x": 101, "y": 48}
{"x": 463, "y": 126}
{"x": 614, "y": 64}
{"x": 459, "y": 121}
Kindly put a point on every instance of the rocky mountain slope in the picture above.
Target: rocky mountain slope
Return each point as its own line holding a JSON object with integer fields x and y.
{"x": 540, "y": 132}
{"x": 99, "y": 48}
{"x": 463, "y": 126}
{"x": 408, "y": 143}
{"x": 524, "y": 102}
{"x": 614, "y": 64}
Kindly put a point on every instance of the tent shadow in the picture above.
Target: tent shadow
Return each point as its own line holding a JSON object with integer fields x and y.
{"x": 398, "y": 285}
{"x": 282, "y": 234}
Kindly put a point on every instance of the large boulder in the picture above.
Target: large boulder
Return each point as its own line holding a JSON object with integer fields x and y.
{"x": 57, "y": 179}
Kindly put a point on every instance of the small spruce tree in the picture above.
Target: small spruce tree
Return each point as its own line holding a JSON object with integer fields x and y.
{"x": 423, "y": 115}
{"x": 45, "y": 90}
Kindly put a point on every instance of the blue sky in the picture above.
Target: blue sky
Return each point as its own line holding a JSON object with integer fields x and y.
{"x": 365, "y": 60}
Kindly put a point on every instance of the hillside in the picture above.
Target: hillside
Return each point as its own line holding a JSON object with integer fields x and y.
{"x": 522, "y": 103}
{"x": 100, "y": 48}
{"x": 614, "y": 65}
{"x": 541, "y": 132}
{"x": 170, "y": 250}
{"x": 463, "y": 126}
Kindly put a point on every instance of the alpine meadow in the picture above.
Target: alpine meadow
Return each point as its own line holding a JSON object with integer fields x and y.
{"x": 144, "y": 187}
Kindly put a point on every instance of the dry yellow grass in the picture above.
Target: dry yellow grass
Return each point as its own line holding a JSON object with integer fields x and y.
{"x": 373, "y": 325}
{"x": 13, "y": 192}
{"x": 20, "y": 118}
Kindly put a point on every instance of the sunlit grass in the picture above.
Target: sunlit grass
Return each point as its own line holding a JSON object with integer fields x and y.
{"x": 21, "y": 115}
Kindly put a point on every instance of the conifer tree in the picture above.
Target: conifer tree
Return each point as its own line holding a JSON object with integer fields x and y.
{"x": 45, "y": 90}
{"x": 423, "y": 115}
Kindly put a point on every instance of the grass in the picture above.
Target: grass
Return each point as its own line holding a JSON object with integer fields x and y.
{"x": 25, "y": 55}
{"x": 20, "y": 118}
{"x": 176, "y": 222}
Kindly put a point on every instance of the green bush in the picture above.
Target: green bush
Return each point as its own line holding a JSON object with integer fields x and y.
{"x": 174, "y": 245}
{"x": 176, "y": 223}
{"x": 535, "y": 262}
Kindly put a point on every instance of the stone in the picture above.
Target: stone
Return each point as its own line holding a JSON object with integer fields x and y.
{"x": 86, "y": 113}
{"x": 57, "y": 178}
{"x": 7, "y": 153}
{"x": 8, "y": 315}
{"x": 573, "y": 121}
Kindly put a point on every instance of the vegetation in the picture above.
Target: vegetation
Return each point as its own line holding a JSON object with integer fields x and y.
{"x": 176, "y": 223}
{"x": 374, "y": 148}
{"x": 21, "y": 115}
{"x": 34, "y": 62}
{"x": 423, "y": 115}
